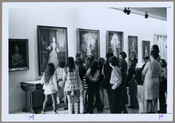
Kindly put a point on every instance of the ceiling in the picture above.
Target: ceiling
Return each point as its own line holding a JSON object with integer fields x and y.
{"x": 156, "y": 12}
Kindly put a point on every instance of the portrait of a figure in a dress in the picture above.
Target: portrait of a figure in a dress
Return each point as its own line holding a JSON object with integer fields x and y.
{"x": 88, "y": 42}
{"x": 145, "y": 48}
{"x": 133, "y": 45}
{"x": 18, "y": 54}
{"x": 52, "y": 46}
{"x": 114, "y": 43}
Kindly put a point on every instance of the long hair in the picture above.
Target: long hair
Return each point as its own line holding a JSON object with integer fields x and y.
{"x": 101, "y": 62}
{"x": 94, "y": 67}
{"x": 70, "y": 64}
{"x": 50, "y": 69}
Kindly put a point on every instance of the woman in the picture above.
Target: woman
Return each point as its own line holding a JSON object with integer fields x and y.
{"x": 116, "y": 90}
{"x": 107, "y": 75}
{"x": 93, "y": 74}
{"x": 53, "y": 57}
{"x": 151, "y": 72}
{"x": 132, "y": 84}
{"x": 72, "y": 85}
{"x": 123, "y": 68}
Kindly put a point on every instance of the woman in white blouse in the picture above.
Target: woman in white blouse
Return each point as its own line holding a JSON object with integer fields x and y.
{"x": 115, "y": 81}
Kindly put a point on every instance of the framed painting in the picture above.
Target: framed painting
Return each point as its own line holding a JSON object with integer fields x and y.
{"x": 132, "y": 45}
{"x": 88, "y": 43}
{"x": 52, "y": 46}
{"x": 114, "y": 43}
{"x": 145, "y": 48}
{"x": 18, "y": 54}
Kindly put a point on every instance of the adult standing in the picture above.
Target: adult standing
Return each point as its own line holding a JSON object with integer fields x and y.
{"x": 123, "y": 68}
{"x": 116, "y": 90}
{"x": 107, "y": 75}
{"x": 151, "y": 72}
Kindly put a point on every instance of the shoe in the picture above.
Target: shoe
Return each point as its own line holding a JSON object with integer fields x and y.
{"x": 56, "y": 112}
{"x": 130, "y": 106}
{"x": 42, "y": 112}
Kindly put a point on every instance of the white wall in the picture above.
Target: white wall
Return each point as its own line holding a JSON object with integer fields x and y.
{"x": 23, "y": 24}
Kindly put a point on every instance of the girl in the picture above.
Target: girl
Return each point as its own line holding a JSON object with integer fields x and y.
{"x": 59, "y": 78}
{"x": 82, "y": 73}
{"x": 50, "y": 86}
{"x": 72, "y": 85}
{"x": 132, "y": 85}
{"x": 93, "y": 74}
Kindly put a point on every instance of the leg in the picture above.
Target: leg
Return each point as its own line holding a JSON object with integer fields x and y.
{"x": 81, "y": 102}
{"x": 70, "y": 102}
{"x": 75, "y": 104}
{"x": 44, "y": 103}
{"x": 108, "y": 89}
{"x": 97, "y": 96}
{"x": 90, "y": 98}
{"x": 54, "y": 102}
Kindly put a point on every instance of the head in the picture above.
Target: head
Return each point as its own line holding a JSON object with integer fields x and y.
{"x": 92, "y": 57}
{"x": 94, "y": 67}
{"x": 155, "y": 47}
{"x": 78, "y": 55}
{"x": 16, "y": 48}
{"x": 62, "y": 63}
{"x": 88, "y": 61}
{"x": 78, "y": 61}
{"x": 146, "y": 59}
{"x": 114, "y": 61}
{"x": 132, "y": 54}
{"x": 70, "y": 64}
{"x": 101, "y": 62}
{"x": 122, "y": 55}
{"x": 50, "y": 69}
{"x": 108, "y": 55}
{"x": 163, "y": 63}
{"x": 132, "y": 64}
{"x": 154, "y": 54}
{"x": 53, "y": 39}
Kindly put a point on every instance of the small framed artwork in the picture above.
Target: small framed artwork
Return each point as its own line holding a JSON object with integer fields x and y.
{"x": 88, "y": 42}
{"x": 145, "y": 48}
{"x": 114, "y": 43}
{"x": 52, "y": 46}
{"x": 133, "y": 45}
{"x": 18, "y": 54}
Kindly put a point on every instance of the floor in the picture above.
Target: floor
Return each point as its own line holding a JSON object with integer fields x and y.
{"x": 105, "y": 111}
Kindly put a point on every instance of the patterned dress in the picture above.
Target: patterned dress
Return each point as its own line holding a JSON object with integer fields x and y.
{"x": 72, "y": 82}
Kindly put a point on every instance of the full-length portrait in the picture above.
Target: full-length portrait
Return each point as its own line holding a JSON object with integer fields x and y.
{"x": 88, "y": 42}
{"x": 114, "y": 43}
{"x": 52, "y": 46}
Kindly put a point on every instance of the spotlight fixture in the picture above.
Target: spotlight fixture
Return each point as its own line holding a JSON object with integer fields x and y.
{"x": 125, "y": 10}
{"x": 146, "y": 15}
{"x": 128, "y": 11}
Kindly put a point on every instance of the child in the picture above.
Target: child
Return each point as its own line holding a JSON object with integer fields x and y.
{"x": 50, "y": 86}
{"x": 132, "y": 85}
{"x": 59, "y": 78}
{"x": 82, "y": 72}
{"x": 72, "y": 85}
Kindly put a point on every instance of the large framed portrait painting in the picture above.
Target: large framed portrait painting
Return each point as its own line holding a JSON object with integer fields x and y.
{"x": 18, "y": 54}
{"x": 114, "y": 43}
{"x": 52, "y": 46}
{"x": 133, "y": 45}
{"x": 88, "y": 42}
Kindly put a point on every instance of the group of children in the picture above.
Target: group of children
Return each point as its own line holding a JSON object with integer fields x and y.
{"x": 93, "y": 83}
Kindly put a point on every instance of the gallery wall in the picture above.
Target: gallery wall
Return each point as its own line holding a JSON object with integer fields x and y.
{"x": 23, "y": 25}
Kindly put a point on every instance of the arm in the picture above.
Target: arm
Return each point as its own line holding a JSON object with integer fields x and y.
{"x": 145, "y": 69}
{"x": 42, "y": 80}
{"x": 96, "y": 76}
